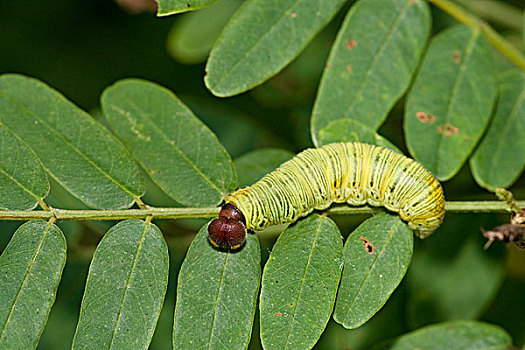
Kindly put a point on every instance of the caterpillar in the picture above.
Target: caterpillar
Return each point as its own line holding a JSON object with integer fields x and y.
{"x": 354, "y": 173}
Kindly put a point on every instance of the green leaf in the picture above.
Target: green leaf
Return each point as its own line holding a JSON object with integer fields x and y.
{"x": 74, "y": 148}
{"x": 30, "y": 270}
{"x": 500, "y": 158}
{"x": 349, "y": 130}
{"x": 262, "y": 37}
{"x": 216, "y": 295}
{"x": 449, "y": 105}
{"x": 372, "y": 62}
{"x": 458, "y": 335}
{"x": 169, "y": 7}
{"x": 125, "y": 288}
{"x": 156, "y": 126}
{"x": 23, "y": 181}
{"x": 299, "y": 284}
{"x": 193, "y": 35}
{"x": 254, "y": 165}
{"x": 376, "y": 257}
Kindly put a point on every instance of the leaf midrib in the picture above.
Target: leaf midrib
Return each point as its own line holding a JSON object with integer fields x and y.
{"x": 128, "y": 282}
{"x": 453, "y": 94}
{"x": 26, "y": 277}
{"x": 12, "y": 178}
{"x": 256, "y": 44}
{"x": 220, "y": 290}
{"x": 378, "y": 53}
{"x": 31, "y": 193}
{"x": 368, "y": 272}
{"x": 145, "y": 116}
{"x": 303, "y": 280}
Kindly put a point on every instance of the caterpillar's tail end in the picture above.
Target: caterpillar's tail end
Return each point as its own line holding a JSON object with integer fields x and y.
{"x": 421, "y": 233}
{"x": 228, "y": 232}
{"x": 425, "y": 228}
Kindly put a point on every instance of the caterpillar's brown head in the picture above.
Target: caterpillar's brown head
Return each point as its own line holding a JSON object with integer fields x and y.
{"x": 228, "y": 231}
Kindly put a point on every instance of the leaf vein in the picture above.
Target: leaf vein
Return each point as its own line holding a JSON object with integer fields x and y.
{"x": 169, "y": 142}
{"x": 26, "y": 277}
{"x": 69, "y": 144}
{"x": 128, "y": 282}
{"x": 286, "y": 14}
{"x": 367, "y": 275}
{"x": 453, "y": 94}
{"x": 305, "y": 271}
{"x": 379, "y": 52}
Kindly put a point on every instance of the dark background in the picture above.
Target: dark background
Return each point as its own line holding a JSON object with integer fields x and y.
{"x": 81, "y": 47}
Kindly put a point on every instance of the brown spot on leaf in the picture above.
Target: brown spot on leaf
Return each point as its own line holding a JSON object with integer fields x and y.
{"x": 349, "y": 68}
{"x": 369, "y": 247}
{"x": 425, "y": 117}
{"x": 278, "y": 314}
{"x": 457, "y": 56}
{"x": 350, "y": 44}
{"x": 328, "y": 66}
{"x": 450, "y": 129}
{"x": 293, "y": 15}
{"x": 447, "y": 129}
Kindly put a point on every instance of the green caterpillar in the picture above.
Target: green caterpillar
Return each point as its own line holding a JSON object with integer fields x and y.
{"x": 354, "y": 173}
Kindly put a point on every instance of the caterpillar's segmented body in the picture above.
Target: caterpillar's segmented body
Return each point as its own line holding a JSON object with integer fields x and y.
{"x": 354, "y": 173}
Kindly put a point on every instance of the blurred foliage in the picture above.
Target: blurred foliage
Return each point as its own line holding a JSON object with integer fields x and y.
{"x": 81, "y": 47}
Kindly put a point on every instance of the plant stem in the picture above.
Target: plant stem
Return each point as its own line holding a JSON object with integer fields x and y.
{"x": 181, "y": 213}
{"x": 496, "y": 11}
{"x": 492, "y": 36}
{"x": 157, "y": 213}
